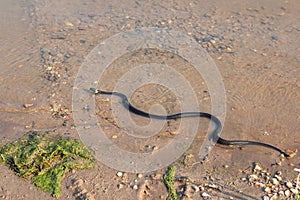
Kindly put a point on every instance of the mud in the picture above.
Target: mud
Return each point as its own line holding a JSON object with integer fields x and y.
{"x": 254, "y": 44}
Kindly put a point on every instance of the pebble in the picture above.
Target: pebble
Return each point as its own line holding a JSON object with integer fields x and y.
{"x": 225, "y": 166}
{"x": 195, "y": 188}
{"x": 294, "y": 191}
{"x": 154, "y": 148}
{"x": 257, "y": 167}
{"x": 279, "y": 173}
{"x": 55, "y": 107}
{"x": 287, "y": 193}
{"x": 140, "y": 175}
{"x": 274, "y": 197}
{"x": 259, "y": 184}
{"x": 273, "y": 186}
{"x": 119, "y": 174}
{"x": 266, "y": 198}
{"x": 289, "y": 184}
{"x": 297, "y": 170}
{"x": 135, "y": 187}
{"x": 69, "y": 24}
{"x": 281, "y": 193}
{"x": 120, "y": 186}
{"x": 156, "y": 176}
{"x": 28, "y": 105}
{"x": 202, "y": 188}
{"x": 204, "y": 194}
{"x": 275, "y": 181}
{"x": 267, "y": 189}
{"x": 278, "y": 177}
{"x": 253, "y": 177}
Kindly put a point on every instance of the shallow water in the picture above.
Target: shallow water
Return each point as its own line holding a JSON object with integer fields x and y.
{"x": 255, "y": 46}
{"x": 21, "y": 76}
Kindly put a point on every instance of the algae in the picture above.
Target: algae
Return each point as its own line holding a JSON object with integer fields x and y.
{"x": 186, "y": 158}
{"x": 169, "y": 182}
{"x": 45, "y": 157}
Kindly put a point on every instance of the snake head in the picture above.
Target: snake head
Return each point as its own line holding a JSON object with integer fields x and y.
{"x": 95, "y": 91}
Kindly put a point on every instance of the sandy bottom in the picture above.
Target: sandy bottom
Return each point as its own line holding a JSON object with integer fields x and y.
{"x": 255, "y": 47}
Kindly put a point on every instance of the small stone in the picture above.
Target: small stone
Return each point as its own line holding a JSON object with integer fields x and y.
{"x": 275, "y": 181}
{"x": 202, "y": 188}
{"x": 140, "y": 175}
{"x": 225, "y": 166}
{"x": 257, "y": 167}
{"x": 297, "y": 170}
{"x": 267, "y": 189}
{"x": 173, "y": 132}
{"x": 204, "y": 194}
{"x": 281, "y": 193}
{"x": 289, "y": 184}
{"x": 287, "y": 193}
{"x": 156, "y": 176}
{"x": 253, "y": 177}
{"x": 135, "y": 187}
{"x": 28, "y": 126}
{"x": 267, "y": 179}
{"x": 294, "y": 191}
{"x": 279, "y": 173}
{"x": 274, "y": 197}
{"x": 55, "y": 107}
{"x": 120, "y": 186}
{"x": 69, "y": 24}
{"x": 259, "y": 184}
{"x": 28, "y": 105}
{"x": 266, "y": 198}
{"x": 119, "y": 174}
{"x": 278, "y": 177}
{"x": 195, "y": 188}
{"x": 279, "y": 163}
{"x": 154, "y": 148}
{"x": 114, "y": 137}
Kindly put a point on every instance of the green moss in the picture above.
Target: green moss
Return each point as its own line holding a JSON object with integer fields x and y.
{"x": 186, "y": 158}
{"x": 45, "y": 158}
{"x": 169, "y": 182}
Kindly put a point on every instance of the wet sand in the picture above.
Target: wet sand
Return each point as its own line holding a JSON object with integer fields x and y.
{"x": 255, "y": 46}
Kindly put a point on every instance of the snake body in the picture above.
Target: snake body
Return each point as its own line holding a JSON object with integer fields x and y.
{"x": 217, "y": 122}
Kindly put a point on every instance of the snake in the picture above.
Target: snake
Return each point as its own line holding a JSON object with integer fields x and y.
{"x": 218, "y": 125}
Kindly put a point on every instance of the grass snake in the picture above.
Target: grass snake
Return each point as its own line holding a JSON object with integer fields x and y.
{"x": 216, "y": 131}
